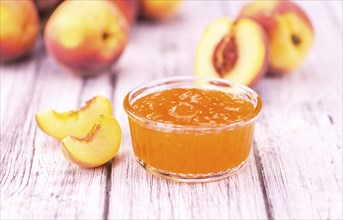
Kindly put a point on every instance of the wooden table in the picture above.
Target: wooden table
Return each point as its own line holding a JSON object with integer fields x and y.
{"x": 294, "y": 171}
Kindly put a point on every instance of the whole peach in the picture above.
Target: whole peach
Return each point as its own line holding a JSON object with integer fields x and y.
{"x": 86, "y": 37}
{"x": 19, "y": 24}
{"x": 129, "y": 8}
{"x": 161, "y": 9}
{"x": 289, "y": 30}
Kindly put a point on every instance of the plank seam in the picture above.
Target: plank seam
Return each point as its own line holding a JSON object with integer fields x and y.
{"x": 108, "y": 186}
{"x": 260, "y": 171}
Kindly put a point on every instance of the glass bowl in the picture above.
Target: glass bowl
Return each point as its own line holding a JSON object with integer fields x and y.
{"x": 192, "y": 153}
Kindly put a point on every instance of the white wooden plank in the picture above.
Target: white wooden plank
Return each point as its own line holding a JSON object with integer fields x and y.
{"x": 161, "y": 50}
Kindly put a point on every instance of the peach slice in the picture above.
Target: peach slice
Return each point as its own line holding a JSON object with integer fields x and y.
{"x": 99, "y": 146}
{"x": 289, "y": 30}
{"x": 77, "y": 123}
{"x": 234, "y": 50}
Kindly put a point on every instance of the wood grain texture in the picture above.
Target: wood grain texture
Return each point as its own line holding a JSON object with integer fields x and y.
{"x": 36, "y": 182}
{"x": 294, "y": 171}
{"x": 299, "y": 135}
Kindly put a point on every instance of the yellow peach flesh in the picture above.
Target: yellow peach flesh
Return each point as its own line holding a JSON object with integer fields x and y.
{"x": 208, "y": 42}
{"x": 76, "y": 123}
{"x": 99, "y": 146}
{"x": 252, "y": 52}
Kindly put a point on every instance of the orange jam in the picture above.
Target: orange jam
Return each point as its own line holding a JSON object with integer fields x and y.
{"x": 192, "y": 130}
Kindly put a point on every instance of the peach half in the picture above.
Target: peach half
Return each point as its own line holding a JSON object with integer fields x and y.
{"x": 99, "y": 146}
{"x": 234, "y": 50}
{"x": 289, "y": 30}
{"x": 86, "y": 37}
{"x": 76, "y": 123}
{"x": 19, "y": 27}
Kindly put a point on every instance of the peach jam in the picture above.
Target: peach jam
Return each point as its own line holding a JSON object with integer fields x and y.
{"x": 192, "y": 129}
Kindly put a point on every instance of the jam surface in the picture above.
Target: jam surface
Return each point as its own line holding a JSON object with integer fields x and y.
{"x": 194, "y": 107}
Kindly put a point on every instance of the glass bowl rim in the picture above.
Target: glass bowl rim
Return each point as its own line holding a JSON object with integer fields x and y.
{"x": 179, "y": 79}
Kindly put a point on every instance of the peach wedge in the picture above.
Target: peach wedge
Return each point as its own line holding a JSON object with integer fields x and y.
{"x": 76, "y": 123}
{"x": 236, "y": 50}
{"x": 99, "y": 146}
